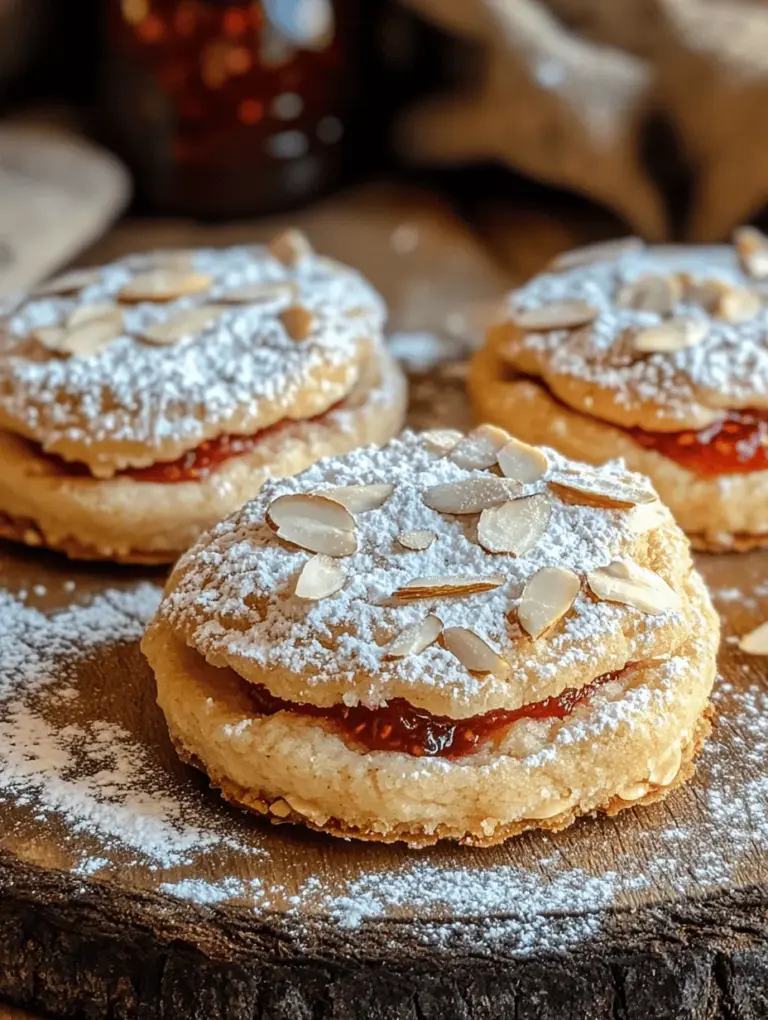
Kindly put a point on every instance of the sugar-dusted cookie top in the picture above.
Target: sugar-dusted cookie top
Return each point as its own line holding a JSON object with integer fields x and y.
{"x": 661, "y": 338}
{"x": 145, "y": 358}
{"x": 459, "y": 574}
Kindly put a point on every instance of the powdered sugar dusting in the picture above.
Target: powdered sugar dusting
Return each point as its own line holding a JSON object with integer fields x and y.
{"x": 729, "y": 368}
{"x": 143, "y": 394}
{"x": 90, "y": 772}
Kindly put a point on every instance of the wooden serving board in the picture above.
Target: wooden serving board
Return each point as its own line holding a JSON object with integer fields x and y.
{"x": 128, "y": 889}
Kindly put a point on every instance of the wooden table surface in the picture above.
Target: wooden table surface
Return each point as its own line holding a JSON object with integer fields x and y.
{"x": 129, "y": 889}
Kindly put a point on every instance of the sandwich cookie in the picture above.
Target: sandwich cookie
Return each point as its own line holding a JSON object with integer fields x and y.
{"x": 655, "y": 355}
{"x": 448, "y": 637}
{"x": 142, "y": 401}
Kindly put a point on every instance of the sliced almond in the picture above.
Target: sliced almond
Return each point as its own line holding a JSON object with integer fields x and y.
{"x": 51, "y": 337}
{"x": 646, "y": 517}
{"x": 651, "y": 293}
{"x": 359, "y": 499}
{"x": 97, "y": 310}
{"x": 548, "y": 595}
{"x": 670, "y": 336}
{"x": 756, "y": 642}
{"x": 290, "y": 247}
{"x": 187, "y": 323}
{"x": 479, "y": 449}
{"x": 632, "y": 791}
{"x": 560, "y": 315}
{"x": 298, "y": 322}
{"x": 446, "y": 586}
{"x": 417, "y": 541}
{"x": 603, "y": 251}
{"x": 414, "y": 639}
{"x": 598, "y": 492}
{"x": 313, "y": 522}
{"x": 632, "y": 585}
{"x": 68, "y": 283}
{"x": 474, "y": 652}
{"x": 706, "y": 293}
{"x": 664, "y": 770}
{"x": 739, "y": 304}
{"x": 258, "y": 293}
{"x": 90, "y": 337}
{"x": 320, "y": 577}
{"x": 515, "y": 527}
{"x": 470, "y": 496}
{"x": 441, "y": 441}
{"x": 752, "y": 247}
{"x": 522, "y": 462}
{"x": 163, "y": 285}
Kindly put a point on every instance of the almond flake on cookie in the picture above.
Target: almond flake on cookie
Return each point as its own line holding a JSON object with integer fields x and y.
{"x": 626, "y": 582}
{"x": 522, "y": 462}
{"x": 415, "y": 638}
{"x": 417, "y": 541}
{"x": 360, "y": 499}
{"x": 653, "y": 292}
{"x": 290, "y": 247}
{"x": 480, "y": 448}
{"x": 320, "y": 577}
{"x": 447, "y": 586}
{"x": 470, "y": 495}
{"x": 548, "y": 595}
{"x": 299, "y": 322}
{"x": 164, "y": 285}
{"x": 756, "y": 641}
{"x": 562, "y": 315}
{"x": 68, "y": 283}
{"x": 474, "y": 652}
{"x": 515, "y": 527}
{"x": 313, "y": 522}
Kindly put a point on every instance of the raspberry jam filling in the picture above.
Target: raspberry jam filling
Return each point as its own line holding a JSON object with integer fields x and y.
{"x": 199, "y": 463}
{"x": 734, "y": 445}
{"x": 399, "y": 726}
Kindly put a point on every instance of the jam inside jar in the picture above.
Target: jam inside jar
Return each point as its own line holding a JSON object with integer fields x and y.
{"x": 399, "y": 726}
{"x": 231, "y": 107}
{"x": 737, "y": 444}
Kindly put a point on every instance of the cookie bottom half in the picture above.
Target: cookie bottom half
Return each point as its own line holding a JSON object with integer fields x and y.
{"x": 630, "y": 744}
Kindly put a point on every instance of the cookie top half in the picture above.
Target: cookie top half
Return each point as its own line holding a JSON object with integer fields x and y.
{"x": 145, "y": 358}
{"x": 663, "y": 339}
{"x": 461, "y": 574}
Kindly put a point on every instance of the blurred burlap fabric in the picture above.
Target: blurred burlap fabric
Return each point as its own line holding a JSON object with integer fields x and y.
{"x": 564, "y": 90}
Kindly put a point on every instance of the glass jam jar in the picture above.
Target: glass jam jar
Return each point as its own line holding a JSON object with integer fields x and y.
{"x": 228, "y": 107}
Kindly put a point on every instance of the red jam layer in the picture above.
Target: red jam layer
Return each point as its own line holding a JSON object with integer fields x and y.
{"x": 398, "y": 726}
{"x": 734, "y": 445}
{"x": 199, "y": 463}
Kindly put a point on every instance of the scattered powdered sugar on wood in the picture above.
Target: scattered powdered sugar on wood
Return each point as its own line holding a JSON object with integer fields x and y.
{"x": 730, "y": 364}
{"x": 90, "y": 772}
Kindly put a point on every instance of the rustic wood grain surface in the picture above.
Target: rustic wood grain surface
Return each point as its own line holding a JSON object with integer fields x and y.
{"x": 130, "y": 890}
